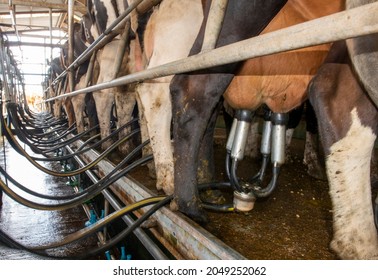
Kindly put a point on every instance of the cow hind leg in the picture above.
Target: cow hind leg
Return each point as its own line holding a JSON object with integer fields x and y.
{"x": 78, "y": 107}
{"x": 104, "y": 101}
{"x": 347, "y": 126}
{"x": 125, "y": 102}
{"x": 348, "y": 166}
{"x": 156, "y": 103}
{"x": 191, "y": 114}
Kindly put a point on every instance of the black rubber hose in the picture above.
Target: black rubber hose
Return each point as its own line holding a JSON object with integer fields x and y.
{"x": 258, "y": 191}
{"x": 98, "y": 225}
{"x": 126, "y": 232}
{"x": 91, "y": 190}
{"x": 18, "y": 148}
{"x": 76, "y": 201}
{"x": 96, "y": 251}
{"x": 234, "y": 177}
{"x": 212, "y": 206}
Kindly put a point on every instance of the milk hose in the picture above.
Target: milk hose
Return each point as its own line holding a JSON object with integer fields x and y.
{"x": 75, "y": 201}
{"x": 95, "y": 188}
{"x": 93, "y": 228}
{"x": 18, "y": 148}
{"x": 159, "y": 202}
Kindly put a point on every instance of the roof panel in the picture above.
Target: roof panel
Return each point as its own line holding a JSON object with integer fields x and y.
{"x": 35, "y": 14}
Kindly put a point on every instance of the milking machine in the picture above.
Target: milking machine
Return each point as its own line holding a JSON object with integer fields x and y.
{"x": 272, "y": 149}
{"x": 243, "y": 198}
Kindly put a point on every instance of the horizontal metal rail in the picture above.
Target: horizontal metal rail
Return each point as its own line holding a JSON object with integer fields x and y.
{"x": 92, "y": 47}
{"x": 347, "y": 24}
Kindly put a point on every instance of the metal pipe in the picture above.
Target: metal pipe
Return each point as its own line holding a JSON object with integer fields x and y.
{"x": 108, "y": 32}
{"x": 121, "y": 48}
{"x": 359, "y": 21}
{"x": 50, "y": 35}
{"x": 71, "y": 74}
{"x": 147, "y": 5}
{"x": 214, "y": 24}
{"x": 33, "y": 12}
{"x": 30, "y": 44}
{"x": 12, "y": 14}
{"x": 42, "y": 4}
{"x": 4, "y": 72}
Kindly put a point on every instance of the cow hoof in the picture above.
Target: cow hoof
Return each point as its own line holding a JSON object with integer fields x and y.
{"x": 151, "y": 170}
{"x": 198, "y": 216}
{"x": 316, "y": 172}
{"x": 194, "y": 212}
{"x": 213, "y": 196}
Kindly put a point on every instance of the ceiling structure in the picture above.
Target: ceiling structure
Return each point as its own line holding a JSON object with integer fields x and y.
{"x": 35, "y": 15}
{"x": 35, "y": 30}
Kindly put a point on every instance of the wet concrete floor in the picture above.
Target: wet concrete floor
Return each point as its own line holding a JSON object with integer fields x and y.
{"x": 32, "y": 227}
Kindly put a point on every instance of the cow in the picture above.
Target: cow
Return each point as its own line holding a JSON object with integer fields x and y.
{"x": 348, "y": 127}
{"x": 195, "y": 100}
{"x": 195, "y": 97}
{"x": 169, "y": 34}
{"x": 364, "y": 54}
{"x": 81, "y": 80}
{"x": 102, "y": 15}
{"x": 56, "y": 68}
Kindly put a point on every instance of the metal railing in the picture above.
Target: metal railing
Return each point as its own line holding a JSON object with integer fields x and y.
{"x": 339, "y": 26}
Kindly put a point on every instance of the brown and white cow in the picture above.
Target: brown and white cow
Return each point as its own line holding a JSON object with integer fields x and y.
{"x": 348, "y": 127}
{"x": 364, "y": 54}
{"x": 195, "y": 97}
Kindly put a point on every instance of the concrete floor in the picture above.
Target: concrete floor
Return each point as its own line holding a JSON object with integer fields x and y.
{"x": 32, "y": 227}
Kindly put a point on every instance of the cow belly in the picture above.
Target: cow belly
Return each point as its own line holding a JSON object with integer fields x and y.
{"x": 279, "y": 93}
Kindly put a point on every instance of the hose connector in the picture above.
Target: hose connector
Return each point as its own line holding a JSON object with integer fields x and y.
{"x": 244, "y": 202}
{"x": 92, "y": 218}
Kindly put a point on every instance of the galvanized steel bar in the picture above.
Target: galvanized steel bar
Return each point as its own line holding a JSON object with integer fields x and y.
{"x": 147, "y": 5}
{"x": 71, "y": 74}
{"x": 108, "y": 32}
{"x": 339, "y": 26}
{"x": 214, "y": 24}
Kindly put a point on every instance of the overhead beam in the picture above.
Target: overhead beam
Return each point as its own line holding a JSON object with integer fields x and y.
{"x": 34, "y": 12}
{"x": 41, "y": 4}
{"x": 37, "y": 36}
{"x": 12, "y": 44}
{"x": 27, "y": 30}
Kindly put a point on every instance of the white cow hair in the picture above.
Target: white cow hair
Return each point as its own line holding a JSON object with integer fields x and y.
{"x": 348, "y": 166}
